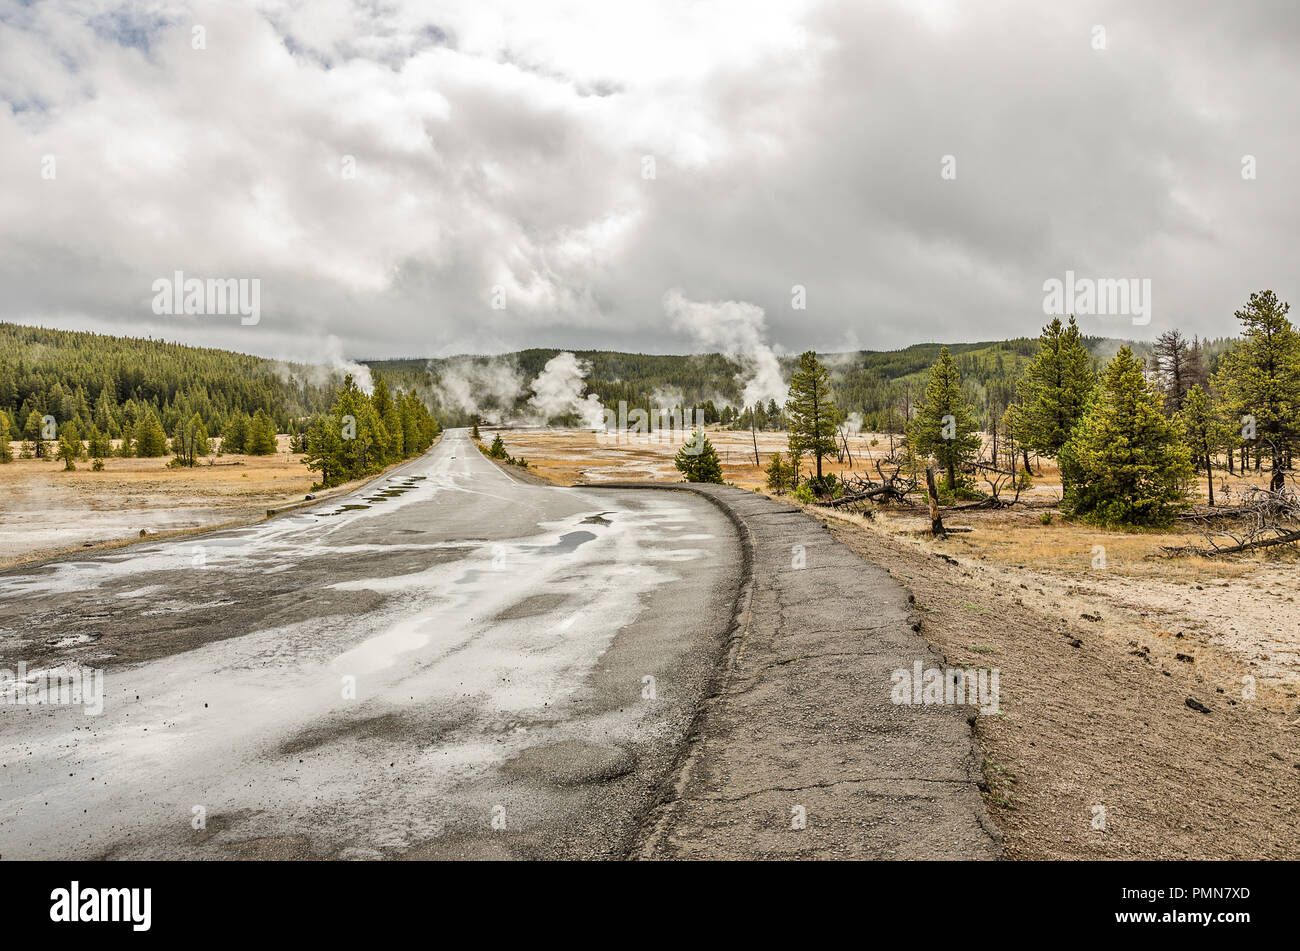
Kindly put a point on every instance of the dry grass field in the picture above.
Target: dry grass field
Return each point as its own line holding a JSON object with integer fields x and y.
{"x": 1242, "y": 606}
{"x": 569, "y": 456}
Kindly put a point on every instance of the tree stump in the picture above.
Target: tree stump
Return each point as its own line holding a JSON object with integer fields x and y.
{"x": 936, "y": 521}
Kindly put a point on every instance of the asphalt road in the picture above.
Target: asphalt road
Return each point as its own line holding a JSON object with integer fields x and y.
{"x": 450, "y": 662}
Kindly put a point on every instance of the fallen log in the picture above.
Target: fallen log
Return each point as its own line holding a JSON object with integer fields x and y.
{"x": 1234, "y": 512}
{"x": 849, "y": 499}
{"x": 989, "y": 503}
{"x": 1287, "y": 539}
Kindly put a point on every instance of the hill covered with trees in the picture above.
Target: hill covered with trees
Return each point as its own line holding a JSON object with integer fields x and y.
{"x": 114, "y": 383}
{"x": 883, "y": 387}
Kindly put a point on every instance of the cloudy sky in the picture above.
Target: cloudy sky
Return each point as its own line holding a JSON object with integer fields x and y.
{"x": 448, "y": 177}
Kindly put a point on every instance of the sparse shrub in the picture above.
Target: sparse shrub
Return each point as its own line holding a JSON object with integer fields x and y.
{"x": 780, "y": 474}
{"x": 699, "y": 464}
{"x": 1045, "y": 518}
{"x": 826, "y": 487}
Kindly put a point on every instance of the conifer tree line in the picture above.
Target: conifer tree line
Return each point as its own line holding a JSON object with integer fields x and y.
{"x": 1130, "y": 437}
{"x": 80, "y": 396}
{"x": 146, "y": 392}
{"x": 362, "y": 434}
{"x": 883, "y": 387}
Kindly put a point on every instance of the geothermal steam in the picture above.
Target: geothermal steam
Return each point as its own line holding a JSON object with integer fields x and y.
{"x": 739, "y": 331}
{"x": 557, "y": 391}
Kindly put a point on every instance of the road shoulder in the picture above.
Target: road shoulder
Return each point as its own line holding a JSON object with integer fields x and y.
{"x": 800, "y": 752}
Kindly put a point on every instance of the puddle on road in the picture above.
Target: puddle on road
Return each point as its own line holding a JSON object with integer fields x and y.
{"x": 568, "y": 542}
{"x": 395, "y": 489}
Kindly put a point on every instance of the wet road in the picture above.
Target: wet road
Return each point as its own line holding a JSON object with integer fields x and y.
{"x": 450, "y": 662}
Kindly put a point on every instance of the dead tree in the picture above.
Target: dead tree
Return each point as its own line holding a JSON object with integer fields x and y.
{"x": 858, "y": 489}
{"x": 1264, "y": 519}
{"x": 936, "y": 521}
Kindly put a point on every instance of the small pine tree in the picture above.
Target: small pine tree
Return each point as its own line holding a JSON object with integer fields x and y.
{"x": 34, "y": 435}
{"x": 6, "y": 453}
{"x": 1204, "y": 432}
{"x": 98, "y": 443}
{"x": 261, "y": 435}
{"x": 811, "y": 410}
{"x": 190, "y": 441}
{"x": 780, "y": 475}
{"x": 202, "y": 444}
{"x": 69, "y": 445}
{"x": 497, "y": 449}
{"x": 697, "y": 460}
{"x": 474, "y": 431}
{"x": 150, "y": 440}
{"x": 1125, "y": 464}
{"x": 324, "y": 451}
{"x": 234, "y": 438}
{"x": 944, "y": 426}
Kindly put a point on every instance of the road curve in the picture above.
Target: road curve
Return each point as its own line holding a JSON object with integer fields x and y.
{"x": 450, "y": 662}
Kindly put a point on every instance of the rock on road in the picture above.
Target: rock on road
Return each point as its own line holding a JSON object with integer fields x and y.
{"x": 449, "y": 662}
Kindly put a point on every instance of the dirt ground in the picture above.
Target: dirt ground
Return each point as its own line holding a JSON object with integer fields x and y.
{"x": 1096, "y": 685}
{"x": 45, "y": 511}
{"x": 1107, "y": 656}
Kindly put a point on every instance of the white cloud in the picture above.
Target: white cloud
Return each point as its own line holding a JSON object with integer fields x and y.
{"x": 500, "y": 143}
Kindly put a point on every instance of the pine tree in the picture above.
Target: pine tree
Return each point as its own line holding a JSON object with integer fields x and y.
{"x": 811, "y": 410}
{"x": 150, "y": 440}
{"x": 202, "y": 445}
{"x": 498, "y": 448}
{"x": 69, "y": 445}
{"x": 780, "y": 474}
{"x": 234, "y": 438}
{"x": 474, "y": 432}
{"x": 190, "y": 441}
{"x": 386, "y": 410}
{"x": 324, "y": 451}
{"x": 6, "y": 454}
{"x": 944, "y": 426}
{"x": 1173, "y": 362}
{"x": 353, "y": 441}
{"x": 697, "y": 460}
{"x": 261, "y": 435}
{"x": 1205, "y": 434}
{"x": 99, "y": 445}
{"x": 34, "y": 435}
{"x": 1259, "y": 379}
{"x": 1125, "y": 463}
{"x": 1054, "y": 389}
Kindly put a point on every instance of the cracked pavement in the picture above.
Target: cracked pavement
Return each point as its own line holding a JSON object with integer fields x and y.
{"x": 803, "y": 726}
